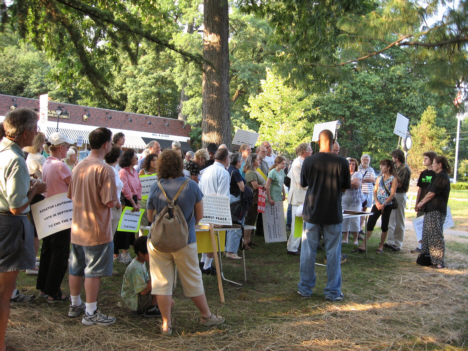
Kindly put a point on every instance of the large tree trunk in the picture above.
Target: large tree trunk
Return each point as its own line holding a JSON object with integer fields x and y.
{"x": 216, "y": 125}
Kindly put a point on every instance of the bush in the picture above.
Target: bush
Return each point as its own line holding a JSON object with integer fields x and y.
{"x": 459, "y": 186}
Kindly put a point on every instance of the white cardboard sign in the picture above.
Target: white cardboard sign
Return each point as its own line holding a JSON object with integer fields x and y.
{"x": 43, "y": 112}
{"x": 401, "y": 126}
{"x": 130, "y": 221}
{"x": 79, "y": 141}
{"x": 245, "y": 137}
{"x": 146, "y": 182}
{"x": 216, "y": 210}
{"x": 273, "y": 223}
{"x": 418, "y": 224}
{"x": 331, "y": 126}
{"x": 52, "y": 215}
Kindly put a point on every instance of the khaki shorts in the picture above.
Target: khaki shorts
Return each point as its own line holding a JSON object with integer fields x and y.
{"x": 162, "y": 270}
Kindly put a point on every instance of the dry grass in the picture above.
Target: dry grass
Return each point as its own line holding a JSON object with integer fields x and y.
{"x": 394, "y": 306}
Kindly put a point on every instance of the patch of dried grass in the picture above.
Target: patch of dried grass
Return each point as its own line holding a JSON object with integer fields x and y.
{"x": 420, "y": 307}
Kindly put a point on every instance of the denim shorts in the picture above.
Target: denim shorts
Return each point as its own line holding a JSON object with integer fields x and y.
{"x": 91, "y": 261}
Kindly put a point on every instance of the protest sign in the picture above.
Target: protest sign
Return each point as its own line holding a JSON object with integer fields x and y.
{"x": 261, "y": 200}
{"x": 331, "y": 126}
{"x": 52, "y": 215}
{"x": 245, "y": 137}
{"x": 216, "y": 210}
{"x": 401, "y": 126}
{"x": 43, "y": 113}
{"x": 79, "y": 141}
{"x": 418, "y": 223}
{"x": 146, "y": 182}
{"x": 130, "y": 221}
{"x": 274, "y": 227}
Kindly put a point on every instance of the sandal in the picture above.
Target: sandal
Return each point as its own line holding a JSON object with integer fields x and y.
{"x": 247, "y": 247}
{"x": 357, "y": 249}
{"x": 438, "y": 266}
{"x": 58, "y": 298}
{"x": 252, "y": 243}
{"x": 379, "y": 251}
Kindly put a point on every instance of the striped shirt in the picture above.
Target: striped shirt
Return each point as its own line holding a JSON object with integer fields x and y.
{"x": 367, "y": 188}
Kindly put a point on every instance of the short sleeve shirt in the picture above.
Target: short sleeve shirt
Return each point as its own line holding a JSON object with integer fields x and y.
{"x": 254, "y": 176}
{"x": 424, "y": 181}
{"x": 190, "y": 196}
{"x": 14, "y": 177}
{"x": 54, "y": 172}
{"x": 135, "y": 281}
{"x": 441, "y": 187}
{"x": 367, "y": 188}
{"x": 325, "y": 174}
{"x": 92, "y": 187}
{"x": 193, "y": 168}
{"x": 276, "y": 187}
{"x": 35, "y": 163}
{"x": 236, "y": 177}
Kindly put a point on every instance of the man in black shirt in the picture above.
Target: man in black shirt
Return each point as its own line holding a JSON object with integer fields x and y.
{"x": 326, "y": 176}
{"x": 424, "y": 182}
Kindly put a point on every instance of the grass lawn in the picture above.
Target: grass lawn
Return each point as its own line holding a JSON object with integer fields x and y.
{"x": 390, "y": 304}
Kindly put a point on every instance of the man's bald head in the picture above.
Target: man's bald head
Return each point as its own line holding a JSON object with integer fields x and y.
{"x": 325, "y": 140}
{"x": 336, "y": 147}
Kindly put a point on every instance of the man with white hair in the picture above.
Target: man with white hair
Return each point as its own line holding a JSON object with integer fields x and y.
{"x": 368, "y": 180}
{"x": 154, "y": 148}
{"x": 270, "y": 156}
{"x": 16, "y": 193}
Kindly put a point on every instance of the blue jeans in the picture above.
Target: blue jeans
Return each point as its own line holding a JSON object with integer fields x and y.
{"x": 310, "y": 242}
{"x": 289, "y": 216}
{"x": 233, "y": 237}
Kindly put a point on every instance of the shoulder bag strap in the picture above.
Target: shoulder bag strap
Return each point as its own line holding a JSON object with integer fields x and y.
{"x": 383, "y": 183}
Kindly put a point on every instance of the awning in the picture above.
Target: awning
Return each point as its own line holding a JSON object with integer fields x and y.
{"x": 70, "y": 133}
{"x": 167, "y": 144}
{"x": 131, "y": 141}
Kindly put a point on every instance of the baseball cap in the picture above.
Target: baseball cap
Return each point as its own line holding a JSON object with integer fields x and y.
{"x": 57, "y": 139}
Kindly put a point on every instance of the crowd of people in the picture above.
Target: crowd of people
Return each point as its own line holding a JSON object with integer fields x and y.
{"x": 324, "y": 185}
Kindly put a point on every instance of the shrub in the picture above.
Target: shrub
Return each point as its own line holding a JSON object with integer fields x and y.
{"x": 459, "y": 186}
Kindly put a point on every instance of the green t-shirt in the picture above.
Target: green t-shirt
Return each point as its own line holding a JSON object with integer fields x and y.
{"x": 276, "y": 187}
{"x": 254, "y": 176}
{"x": 134, "y": 281}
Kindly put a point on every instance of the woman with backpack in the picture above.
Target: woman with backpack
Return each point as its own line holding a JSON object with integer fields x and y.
{"x": 186, "y": 195}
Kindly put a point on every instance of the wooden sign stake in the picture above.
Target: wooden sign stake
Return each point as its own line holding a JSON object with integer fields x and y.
{"x": 216, "y": 259}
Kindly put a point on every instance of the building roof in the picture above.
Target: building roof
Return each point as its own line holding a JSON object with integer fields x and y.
{"x": 157, "y": 127}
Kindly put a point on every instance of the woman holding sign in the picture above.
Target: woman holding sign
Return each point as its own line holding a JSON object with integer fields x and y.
{"x": 162, "y": 265}
{"x": 254, "y": 181}
{"x": 435, "y": 211}
{"x": 132, "y": 197}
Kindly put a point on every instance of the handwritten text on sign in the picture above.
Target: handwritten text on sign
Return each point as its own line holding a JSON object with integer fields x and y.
{"x": 273, "y": 223}
{"x": 146, "y": 182}
{"x": 130, "y": 221}
{"x": 52, "y": 215}
{"x": 216, "y": 210}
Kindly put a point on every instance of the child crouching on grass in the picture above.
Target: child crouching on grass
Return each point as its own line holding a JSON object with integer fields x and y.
{"x": 136, "y": 285}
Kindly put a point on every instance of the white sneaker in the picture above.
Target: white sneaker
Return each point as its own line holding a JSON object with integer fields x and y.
{"x": 76, "y": 311}
{"x": 233, "y": 256}
{"x": 125, "y": 258}
{"x": 97, "y": 319}
{"x": 211, "y": 320}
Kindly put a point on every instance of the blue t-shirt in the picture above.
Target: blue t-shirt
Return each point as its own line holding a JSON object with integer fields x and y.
{"x": 187, "y": 199}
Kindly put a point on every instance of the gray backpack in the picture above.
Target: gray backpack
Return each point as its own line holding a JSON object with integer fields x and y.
{"x": 169, "y": 231}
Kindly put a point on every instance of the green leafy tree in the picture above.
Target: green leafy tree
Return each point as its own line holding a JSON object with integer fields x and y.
{"x": 283, "y": 112}
{"x": 426, "y": 136}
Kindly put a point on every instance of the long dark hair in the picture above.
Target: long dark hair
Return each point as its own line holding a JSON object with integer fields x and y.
{"x": 442, "y": 160}
{"x": 147, "y": 161}
{"x": 391, "y": 167}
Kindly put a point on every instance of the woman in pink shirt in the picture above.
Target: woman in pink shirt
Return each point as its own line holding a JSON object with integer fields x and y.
{"x": 132, "y": 196}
